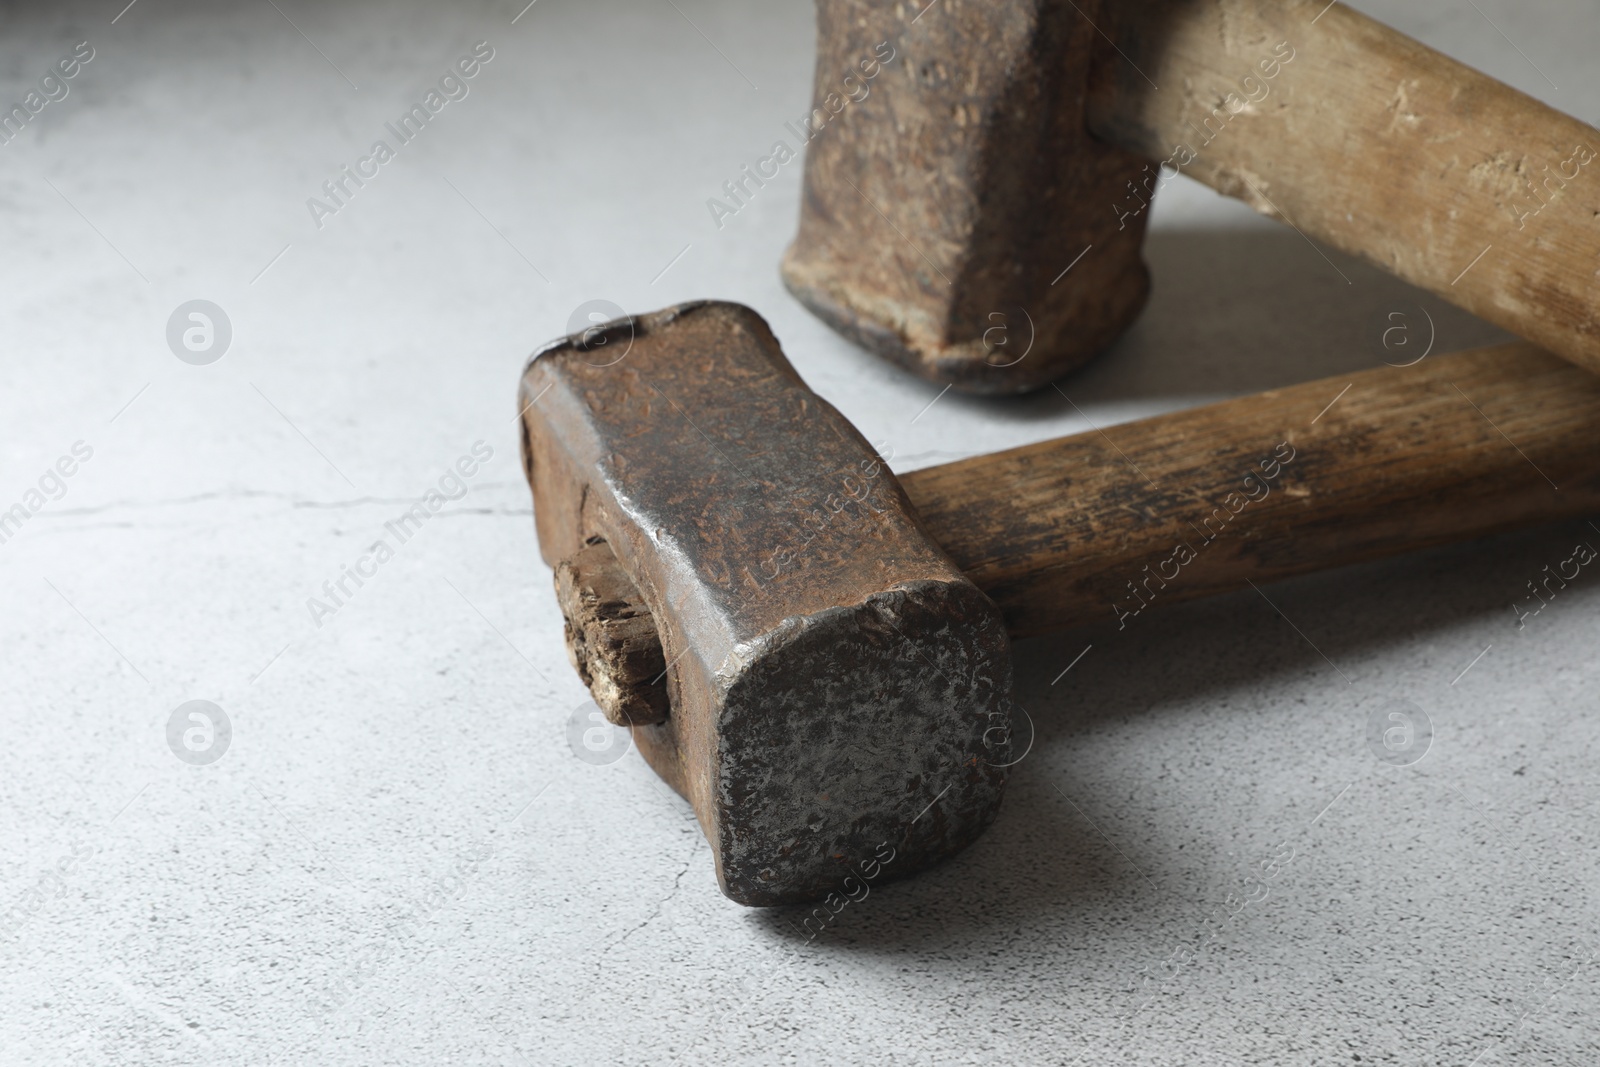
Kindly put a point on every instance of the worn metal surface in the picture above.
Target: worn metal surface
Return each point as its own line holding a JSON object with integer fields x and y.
{"x": 946, "y": 194}
{"x": 837, "y": 686}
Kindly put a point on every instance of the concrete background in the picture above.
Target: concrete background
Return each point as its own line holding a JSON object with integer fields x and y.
{"x": 397, "y": 856}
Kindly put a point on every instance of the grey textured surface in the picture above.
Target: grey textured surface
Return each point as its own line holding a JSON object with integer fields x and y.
{"x": 399, "y": 859}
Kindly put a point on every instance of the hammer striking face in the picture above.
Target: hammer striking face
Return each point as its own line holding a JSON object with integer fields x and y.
{"x": 834, "y": 683}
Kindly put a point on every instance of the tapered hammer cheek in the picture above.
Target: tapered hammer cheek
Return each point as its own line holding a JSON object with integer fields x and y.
{"x": 961, "y": 220}
{"x": 833, "y": 685}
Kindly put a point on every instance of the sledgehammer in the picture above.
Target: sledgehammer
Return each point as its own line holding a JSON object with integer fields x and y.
{"x": 999, "y": 172}
{"x": 814, "y": 652}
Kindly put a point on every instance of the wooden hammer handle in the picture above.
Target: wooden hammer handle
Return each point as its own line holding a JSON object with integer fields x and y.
{"x": 1099, "y": 526}
{"x": 1365, "y": 139}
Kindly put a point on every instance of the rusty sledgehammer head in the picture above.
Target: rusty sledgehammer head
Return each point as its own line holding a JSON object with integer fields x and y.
{"x": 949, "y": 192}
{"x": 833, "y": 683}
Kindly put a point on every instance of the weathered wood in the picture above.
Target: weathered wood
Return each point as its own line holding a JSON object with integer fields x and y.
{"x": 1363, "y": 138}
{"x": 1095, "y": 526}
{"x": 611, "y": 638}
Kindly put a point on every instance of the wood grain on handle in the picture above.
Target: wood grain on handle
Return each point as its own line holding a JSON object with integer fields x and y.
{"x": 1460, "y": 446}
{"x": 1371, "y": 142}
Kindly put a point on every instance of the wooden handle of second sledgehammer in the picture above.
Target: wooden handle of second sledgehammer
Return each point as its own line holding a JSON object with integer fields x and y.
{"x": 1361, "y": 137}
{"x": 1098, "y": 525}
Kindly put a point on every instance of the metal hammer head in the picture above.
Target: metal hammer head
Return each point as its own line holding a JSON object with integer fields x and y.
{"x": 836, "y": 690}
{"x": 948, "y": 192}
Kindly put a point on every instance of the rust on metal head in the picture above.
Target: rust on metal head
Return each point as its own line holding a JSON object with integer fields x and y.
{"x": 943, "y": 207}
{"x": 834, "y": 682}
